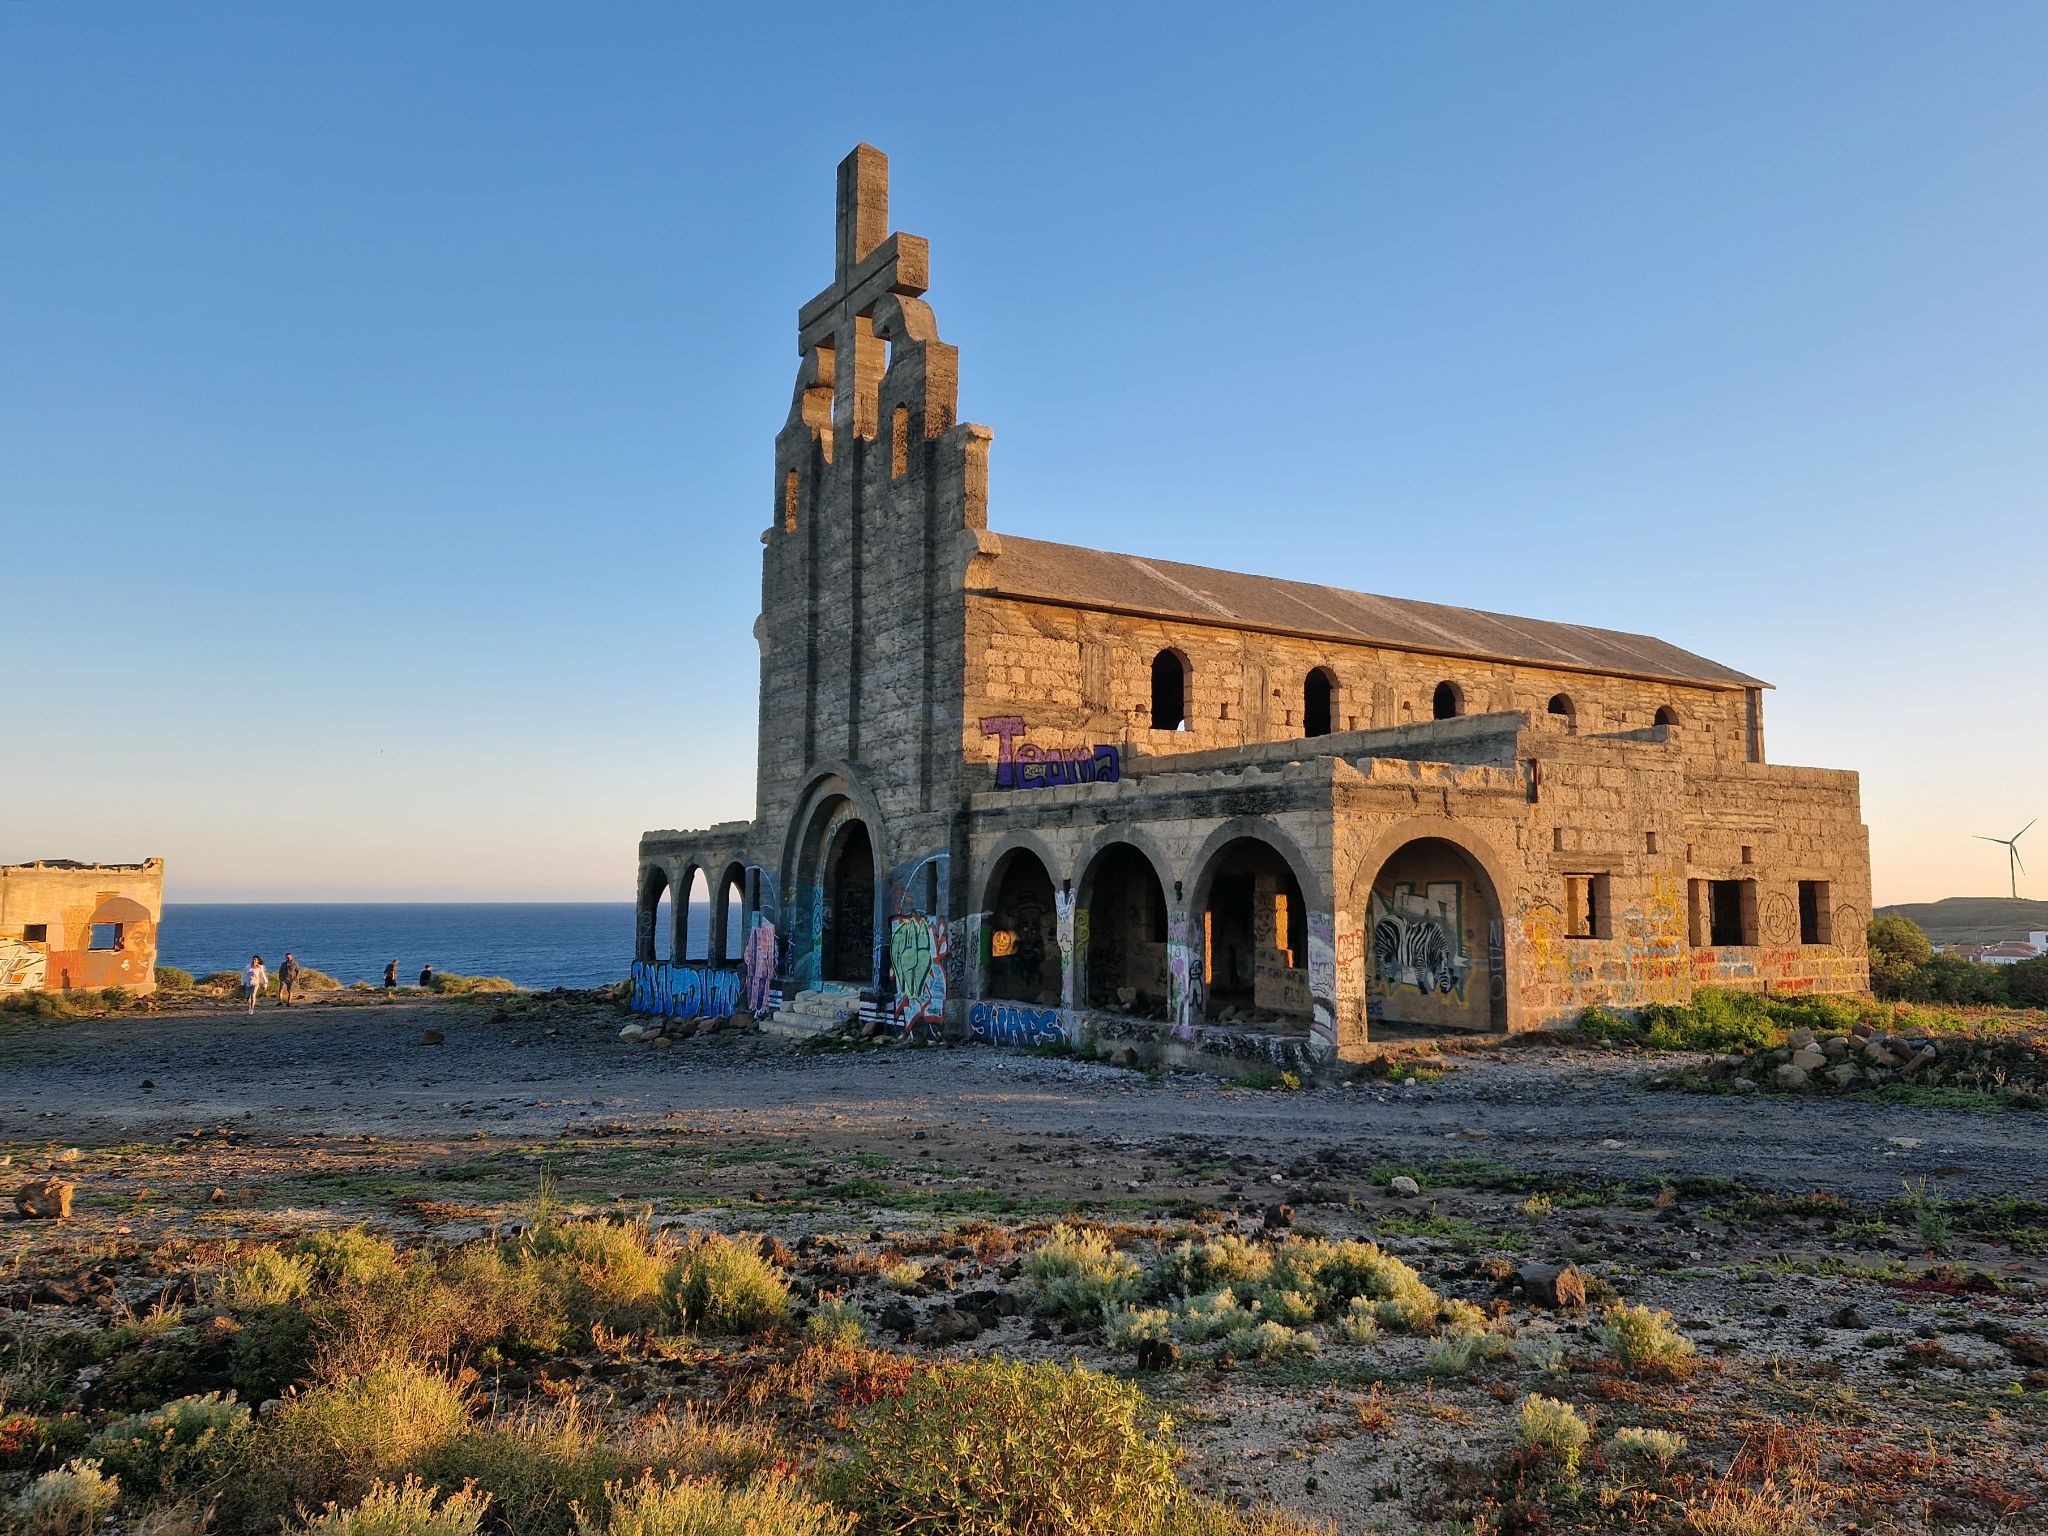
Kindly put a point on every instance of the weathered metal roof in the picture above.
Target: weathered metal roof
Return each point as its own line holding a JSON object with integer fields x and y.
{"x": 1093, "y": 578}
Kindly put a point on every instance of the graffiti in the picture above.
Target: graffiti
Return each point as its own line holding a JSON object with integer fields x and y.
{"x": 1778, "y": 919}
{"x": 1025, "y": 765}
{"x": 1070, "y": 934}
{"x": 807, "y": 938}
{"x": 918, "y": 887}
{"x": 1851, "y": 931}
{"x": 1418, "y": 941}
{"x": 686, "y": 991}
{"x": 917, "y": 956}
{"x": 1184, "y": 978}
{"x": 1322, "y": 977}
{"x": 757, "y": 961}
{"x": 22, "y": 968}
{"x": 960, "y": 937}
{"x": 1015, "y": 1024}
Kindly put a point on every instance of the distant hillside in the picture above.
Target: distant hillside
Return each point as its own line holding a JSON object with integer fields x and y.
{"x": 1973, "y": 919}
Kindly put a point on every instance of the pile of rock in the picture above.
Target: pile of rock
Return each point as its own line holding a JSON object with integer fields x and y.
{"x": 1868, "y": 1057}
{"x": 666, "y": 1032}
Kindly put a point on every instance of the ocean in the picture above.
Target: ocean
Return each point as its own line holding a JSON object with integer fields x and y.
{"x": 536, "y": 944}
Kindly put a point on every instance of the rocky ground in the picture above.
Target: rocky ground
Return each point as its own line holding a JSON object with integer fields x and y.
{"x": 1863, "y": 1281}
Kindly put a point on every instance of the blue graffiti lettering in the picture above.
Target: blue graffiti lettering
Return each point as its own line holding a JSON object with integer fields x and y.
{"x": 1015, "y": 1024}
{"x": 687, "y": 991}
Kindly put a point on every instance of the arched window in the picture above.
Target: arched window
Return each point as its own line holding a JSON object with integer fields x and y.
{"x": 1561, "y": 706}
{"x": 1447, "y": 702}
{"x": 1666, "y": 715}
{"x": 1318, "y": 703}
{"x": 1169, "y": 692}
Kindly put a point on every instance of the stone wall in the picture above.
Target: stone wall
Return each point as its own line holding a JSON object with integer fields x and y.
{"x": 84, "y": 926}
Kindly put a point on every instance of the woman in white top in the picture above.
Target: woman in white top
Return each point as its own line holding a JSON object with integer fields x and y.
{"x": 254, "y": 980}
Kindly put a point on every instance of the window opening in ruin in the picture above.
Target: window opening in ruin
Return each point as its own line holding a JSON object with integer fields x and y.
{"x": 1649, "y": 842}
{"x": 1169, "y": 692}
{"x": 36, "y": 933}
{"x": 696, "y": 918}
{"x": 849, "y": 950}
{"x": 789, "y": 496}
{"x": 1126, "y": 908}
{"x": 1666, "y": 715}
{"x": 1748, "y": 853}
{"x": 1585, "y": 907}
{"x": 657, "y": 925}
{"x": 1317, "y": 696}
{"x": 1024, "y": 947}
{"x": 1562, "y": 707}
{"x": 1253, "y": 937}
{"x": 1731, "y": 913}
{"x": 899, "y": 442}
{"x": 1447, "y": 702}
{"x": 735, "y": 946}
{"x": 1816, "y": 915}
{"x": 930, "y": 908}
{"x": 106, "y": 935}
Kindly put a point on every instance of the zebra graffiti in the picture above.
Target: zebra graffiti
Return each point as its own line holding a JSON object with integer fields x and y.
{"x": 1418, "y": 941}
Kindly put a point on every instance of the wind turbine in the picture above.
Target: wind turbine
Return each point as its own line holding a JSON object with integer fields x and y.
{"x": 2012, "y": 847}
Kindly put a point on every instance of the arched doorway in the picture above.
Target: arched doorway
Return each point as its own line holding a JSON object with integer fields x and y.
{"x": 694, "y": 918}
{"x": 1023, "y": 933}
{"x": 653, "y": 930}
{"x": 729, "y": 916}
{"x": 1252, "y": 937}
{"x": 849, "y": 947}
{"x": 1125, "y": 906}
{"x": 1434, "y": 954}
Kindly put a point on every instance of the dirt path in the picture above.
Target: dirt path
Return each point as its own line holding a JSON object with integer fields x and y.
{"x": 344, "y": 1068}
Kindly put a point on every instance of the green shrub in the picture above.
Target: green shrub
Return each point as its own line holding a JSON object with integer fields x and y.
{"x": 1193, "y": 1515}
{"x": 608, "y": 1272}
{"x": 1269, "y": 1340}
{"x": 351, "y": 1256}
{"x": 333, "y": 1442}
{"x": 267, "y": 1277}
{"x": 451, "y": 983}
{"x": 1001, "y": 1448}
{"x": 1360, "y": 1324}
{"x": 1644, "y": 1340}
{"x": 1126, "y": 1328}
{"x": 1199, "y": 1319}
{"x": 721, "y": 1286}
{"x": 70, "y": 1501}
{"x": 838, "y": 1325}
{"x": 1193, "y": 1269}
{"x": 408, "y": 1509}
{"x": 1077, "y": 1274}
{"x": 1553, "y": 1432}
{"x": 536, "y": 1466}
{"x": 116, "y": 997}
{"x": 1646, "y": 1447}
{"x": 1456, "y": 1353}
{"x": 174, "y": 978}
{"x": 220, "y": 981}
{"x": 773, "y": 1505}
{"x": 188, "y": 1444}
{"x": 1609, "y": 1027}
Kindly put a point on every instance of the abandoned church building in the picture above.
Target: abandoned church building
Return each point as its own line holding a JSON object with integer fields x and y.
{"x": 1031, "y": 793}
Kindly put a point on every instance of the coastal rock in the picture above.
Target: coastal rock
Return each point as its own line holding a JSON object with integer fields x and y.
{"x": 45, "y": 1199}
{"x": 1556, "y": 1286}
{"x": 1401, "y": 1184}
{"x": 1808, "y": 1059}
{"x": 1790, "y": 1076}
{"x": 431, "y": 1037}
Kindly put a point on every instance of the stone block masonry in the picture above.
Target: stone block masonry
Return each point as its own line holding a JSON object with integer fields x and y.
{"x": 1031, "y": 793}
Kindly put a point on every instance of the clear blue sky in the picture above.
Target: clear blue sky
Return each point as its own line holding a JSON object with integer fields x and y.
{"x": 387, "y": 391}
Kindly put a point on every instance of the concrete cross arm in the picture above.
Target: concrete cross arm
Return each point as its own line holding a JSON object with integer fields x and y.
{"x": 901, "y": 264}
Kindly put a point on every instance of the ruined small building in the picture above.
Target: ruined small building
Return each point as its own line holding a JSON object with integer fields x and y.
{"x": 1034, "y": 793}
{"x": 66, "y": 926}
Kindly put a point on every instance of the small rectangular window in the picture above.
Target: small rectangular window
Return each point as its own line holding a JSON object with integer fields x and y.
{"x": 1649, "y": 842}
{"x": 106, "y": 935}
{"x": 36, "y": 933}
{"x": 1816, "y": 914}
{"x": 1731, "y": 913}
{"x": 1585, "y": 907}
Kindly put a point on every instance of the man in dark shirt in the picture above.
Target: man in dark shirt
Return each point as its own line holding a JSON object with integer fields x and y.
{"x": 288, "y": 980}
{"x": 426, "y": 976}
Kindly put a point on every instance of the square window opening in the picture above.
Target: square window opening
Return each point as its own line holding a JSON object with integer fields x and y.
{"x": 1731, "y": 913}
{"x": 1586, "y": 907}
{"x": 1816, "y": 913}
{"x": 36, "y": 933}
{"x": 106, "y": 935}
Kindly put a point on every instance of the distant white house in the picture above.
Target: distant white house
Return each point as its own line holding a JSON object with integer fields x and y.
{"x": 2011, "y": 952}
{"x": 2039, "y": 940}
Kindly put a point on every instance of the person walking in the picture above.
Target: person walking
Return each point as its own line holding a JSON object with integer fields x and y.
{"x": 287, "y": 980}
{"x": 391, "y": 976}
{"x": 254, "y": 980}
{"x": 426, "y": 976}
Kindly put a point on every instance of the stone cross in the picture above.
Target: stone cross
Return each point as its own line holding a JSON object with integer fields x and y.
{"x": 836, "y": 328}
